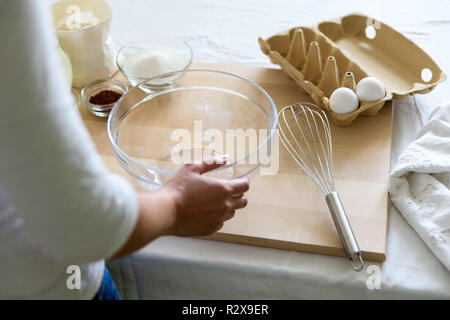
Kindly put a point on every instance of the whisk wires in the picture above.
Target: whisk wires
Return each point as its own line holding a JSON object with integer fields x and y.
{"x": 305, "y": 133}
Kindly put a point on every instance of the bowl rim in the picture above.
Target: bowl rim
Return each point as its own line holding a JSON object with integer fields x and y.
{"x": 145, "y": 79}
{"x": 123, "y": 156}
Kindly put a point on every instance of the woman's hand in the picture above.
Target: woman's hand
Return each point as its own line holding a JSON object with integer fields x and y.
{"x": 189, "y": 204}
{"x": 201, "y": 204}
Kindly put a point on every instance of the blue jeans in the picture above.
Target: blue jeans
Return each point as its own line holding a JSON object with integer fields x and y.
{"x": 108, "y": 290}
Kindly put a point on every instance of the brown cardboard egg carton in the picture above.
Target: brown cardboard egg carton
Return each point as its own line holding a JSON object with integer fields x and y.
{"x": 342, "y": 52}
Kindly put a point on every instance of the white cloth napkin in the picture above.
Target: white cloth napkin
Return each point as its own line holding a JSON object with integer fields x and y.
{"x": 420, "y": 184}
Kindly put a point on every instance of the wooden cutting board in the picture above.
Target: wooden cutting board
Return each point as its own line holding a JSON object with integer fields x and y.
{"x": 287, "y": 210}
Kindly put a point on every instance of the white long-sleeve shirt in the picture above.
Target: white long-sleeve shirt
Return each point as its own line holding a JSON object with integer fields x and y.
{"x": 59, "y": 206}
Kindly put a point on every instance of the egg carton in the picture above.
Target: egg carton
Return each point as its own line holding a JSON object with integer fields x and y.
{"x": 340, "y": 53}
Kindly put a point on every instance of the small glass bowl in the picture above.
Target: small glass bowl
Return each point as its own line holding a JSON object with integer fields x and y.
{"x": 95, "y": 87}
{"x": 137, "y": 49}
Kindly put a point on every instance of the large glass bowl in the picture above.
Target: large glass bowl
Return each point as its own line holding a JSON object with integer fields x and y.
{"x": 208, "y": 115}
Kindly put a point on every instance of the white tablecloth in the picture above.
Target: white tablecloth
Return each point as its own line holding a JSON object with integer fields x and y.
{"x": 226, "y": 31}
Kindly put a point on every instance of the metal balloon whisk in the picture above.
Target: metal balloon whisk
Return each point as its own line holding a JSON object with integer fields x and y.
{"x": 305, "y": 133}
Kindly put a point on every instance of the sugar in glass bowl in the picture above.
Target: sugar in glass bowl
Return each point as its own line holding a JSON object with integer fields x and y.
{"x": 148, "y": 57}
{"x": 209, "y": 114}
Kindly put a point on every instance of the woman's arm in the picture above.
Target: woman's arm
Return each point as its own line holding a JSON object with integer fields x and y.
{"x": 72, "y": 207}
{"x": 188, "y": 205}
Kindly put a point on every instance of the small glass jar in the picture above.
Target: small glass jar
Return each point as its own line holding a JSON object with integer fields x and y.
{"x": 97, "y": 86}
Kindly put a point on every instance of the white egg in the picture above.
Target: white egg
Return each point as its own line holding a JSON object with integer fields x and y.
{"x": 343, "y": 100}
{"x": 369, "y": 89}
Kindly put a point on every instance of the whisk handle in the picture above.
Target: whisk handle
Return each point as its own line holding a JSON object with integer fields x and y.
{"x": 344, "y": 230}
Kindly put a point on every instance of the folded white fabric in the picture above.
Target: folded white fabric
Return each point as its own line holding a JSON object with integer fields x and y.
{"x": 420, "y": 184}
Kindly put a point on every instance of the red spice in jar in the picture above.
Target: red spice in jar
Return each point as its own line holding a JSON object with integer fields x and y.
{"x": 105, "y": 97}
